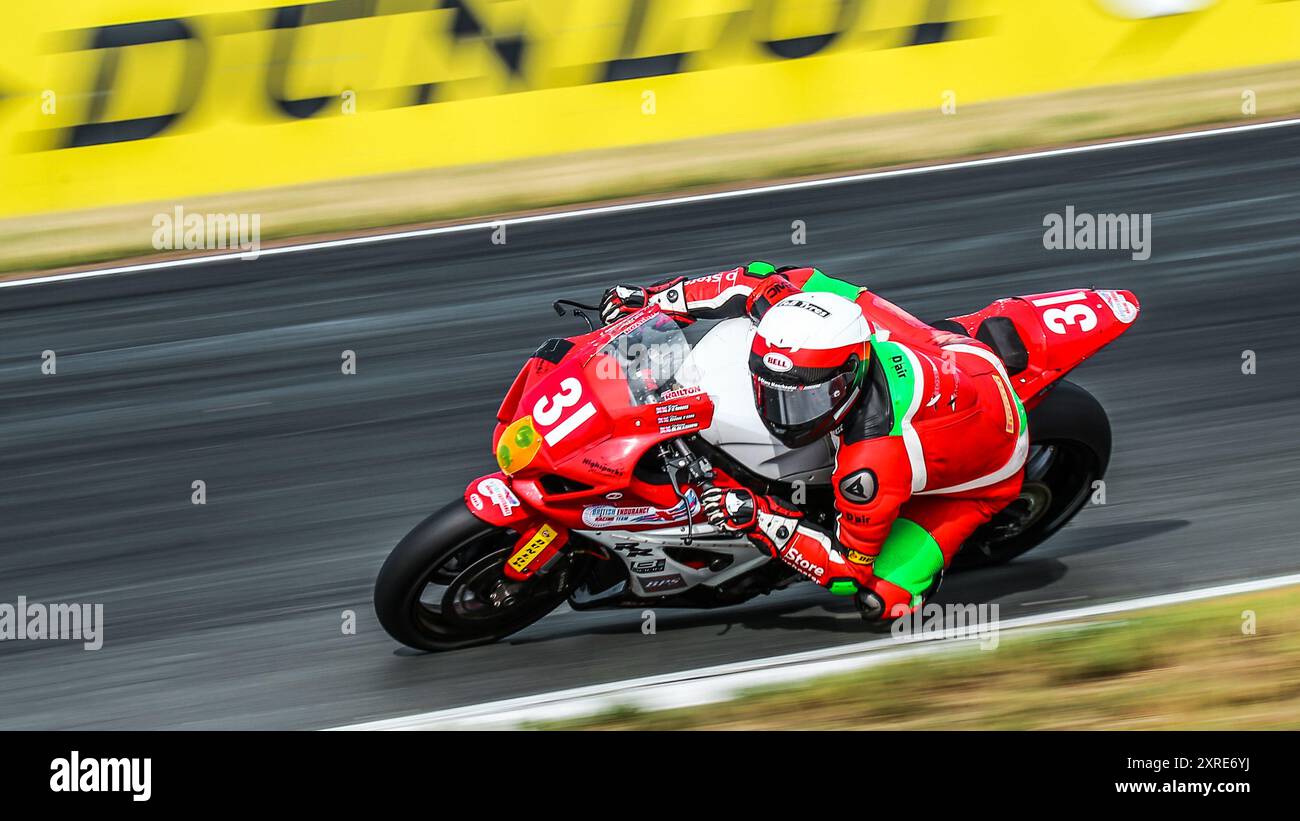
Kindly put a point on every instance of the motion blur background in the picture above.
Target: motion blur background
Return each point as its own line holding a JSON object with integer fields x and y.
{"x": 355, "y": 113}
{"x": 343, "y": 116}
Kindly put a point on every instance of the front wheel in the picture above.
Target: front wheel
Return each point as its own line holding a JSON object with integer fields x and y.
{"x": 443, "y": 586}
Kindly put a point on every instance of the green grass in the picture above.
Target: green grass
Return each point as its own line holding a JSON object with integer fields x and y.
{"x": 1180, "y": 667}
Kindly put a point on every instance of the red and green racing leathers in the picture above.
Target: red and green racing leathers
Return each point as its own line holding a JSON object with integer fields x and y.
{"x": 932, "y": 451}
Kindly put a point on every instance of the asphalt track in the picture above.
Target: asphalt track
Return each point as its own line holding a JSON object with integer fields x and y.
{"x": 228, "y": 615}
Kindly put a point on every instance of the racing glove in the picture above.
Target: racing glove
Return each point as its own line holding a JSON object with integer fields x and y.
{"x": 622, "y": 300}
{"x": 773, "y": 527}
{"x": 767, "y": 522}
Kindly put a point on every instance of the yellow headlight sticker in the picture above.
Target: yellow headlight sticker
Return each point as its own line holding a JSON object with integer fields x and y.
{"x": 518, "y": 445}
{"x": 533, "y": 548}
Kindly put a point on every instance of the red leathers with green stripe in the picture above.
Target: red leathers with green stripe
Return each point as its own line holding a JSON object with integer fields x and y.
{"x": 933, "y": 449}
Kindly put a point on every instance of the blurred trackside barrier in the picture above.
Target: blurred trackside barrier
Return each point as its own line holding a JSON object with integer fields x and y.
{"x": 106, "y": 102}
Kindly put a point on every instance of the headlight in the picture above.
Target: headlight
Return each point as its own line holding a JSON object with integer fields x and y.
{"x": 518, "y": 445}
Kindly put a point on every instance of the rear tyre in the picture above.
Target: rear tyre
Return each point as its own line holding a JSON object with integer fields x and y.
{"x": 1069, "y": 450}
{"x": 443, "y": 586}
{"x": 1057, "y": 489}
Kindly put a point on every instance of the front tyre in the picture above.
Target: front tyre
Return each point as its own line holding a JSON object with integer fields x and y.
{"x": 443, "y": 586}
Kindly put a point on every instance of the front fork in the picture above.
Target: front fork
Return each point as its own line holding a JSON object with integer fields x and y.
{"x": 540, "y": 542}
{"x": 490, "y": 499}
{"x": 685, "y": 468}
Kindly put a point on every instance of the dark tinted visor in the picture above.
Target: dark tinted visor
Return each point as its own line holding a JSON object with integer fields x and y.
{"x": 790, "y": 405}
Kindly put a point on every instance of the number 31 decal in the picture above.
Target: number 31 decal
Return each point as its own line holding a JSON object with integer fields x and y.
{"x": 548, "y": 410}
{"x": 1073, "y": 314}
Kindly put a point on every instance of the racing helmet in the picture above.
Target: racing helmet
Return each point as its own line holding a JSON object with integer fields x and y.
{"x": 807, "y": 364}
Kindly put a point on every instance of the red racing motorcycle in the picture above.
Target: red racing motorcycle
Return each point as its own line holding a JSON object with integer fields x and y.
{"x": 606, "y": 440}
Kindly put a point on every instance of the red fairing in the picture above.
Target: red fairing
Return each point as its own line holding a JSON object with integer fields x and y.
{"x": 491, "y": 499}
{"x": 591, "y": 437}
{"x": 1060, "y": 330}
{"x": 534, "y": 370}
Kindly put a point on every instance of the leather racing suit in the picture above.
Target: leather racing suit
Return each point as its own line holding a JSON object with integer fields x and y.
{"x": 932, "y": 451}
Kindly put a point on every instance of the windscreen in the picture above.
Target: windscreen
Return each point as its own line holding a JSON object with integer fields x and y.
{"x": 649, "y": 356}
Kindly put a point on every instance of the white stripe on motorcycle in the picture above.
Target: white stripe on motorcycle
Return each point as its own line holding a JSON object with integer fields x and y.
{"x": 570, "y": 424}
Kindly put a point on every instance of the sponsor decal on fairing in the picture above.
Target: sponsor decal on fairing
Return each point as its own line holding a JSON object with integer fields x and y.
{"x": 1123, "y": 310}
{"x": 602, "y": 516}
{"x": 500, "y": 495}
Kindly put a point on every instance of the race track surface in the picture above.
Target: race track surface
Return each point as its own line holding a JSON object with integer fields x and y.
{"x": 228, "y": 615}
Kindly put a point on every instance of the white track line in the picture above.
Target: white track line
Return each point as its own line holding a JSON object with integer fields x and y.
{"x": 644, "y": 204}
{"x": 712, "y": 684}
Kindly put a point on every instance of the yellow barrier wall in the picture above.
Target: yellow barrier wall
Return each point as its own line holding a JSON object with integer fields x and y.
{"x": 113, "y": 101}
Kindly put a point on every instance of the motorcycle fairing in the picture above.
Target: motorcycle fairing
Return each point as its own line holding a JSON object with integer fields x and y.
{"x": 1058, "y": 330}
{"x": 570, "y": 436}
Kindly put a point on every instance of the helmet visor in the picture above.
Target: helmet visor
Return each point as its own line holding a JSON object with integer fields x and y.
{"x": 801, "y": 405}
{"x": 791, "y": 405}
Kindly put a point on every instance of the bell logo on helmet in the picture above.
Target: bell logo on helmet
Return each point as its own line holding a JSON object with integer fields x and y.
{"x": 777, "y": 362}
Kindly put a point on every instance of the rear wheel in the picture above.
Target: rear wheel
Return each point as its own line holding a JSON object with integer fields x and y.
{"x": 443, "y": 586}
{"x": 1058, "y": 481}
{"x": 1069, "y": 449}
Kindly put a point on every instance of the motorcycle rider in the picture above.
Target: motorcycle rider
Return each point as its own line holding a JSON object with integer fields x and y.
{"x": 930, "y": 438}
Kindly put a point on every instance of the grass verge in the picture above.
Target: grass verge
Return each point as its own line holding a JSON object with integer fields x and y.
{"x": 1189, "y": 666}
{"x": 54, "y": 241}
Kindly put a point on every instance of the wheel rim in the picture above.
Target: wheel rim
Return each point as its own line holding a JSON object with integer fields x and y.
{"x": 1038, "y": 508}
{"x": 481, "y": 591}
{"x": 1032, "y": 504}
{"x": 467, "y": 593}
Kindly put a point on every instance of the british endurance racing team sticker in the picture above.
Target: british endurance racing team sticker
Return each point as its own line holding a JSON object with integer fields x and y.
{"x": 601, "y": 516}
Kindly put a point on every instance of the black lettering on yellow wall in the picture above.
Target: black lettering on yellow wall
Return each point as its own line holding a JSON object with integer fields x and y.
{"x": 935, "y": 27}
{"x": 462, "y": 24}
{"x": 110, "y": 42}
{"x": 288, "y": 21}
{"x": 467, "y": 27}
{"x": 628, "y": 67}
{"x": 508, "y": 48}
{"x": 793, "y": 48}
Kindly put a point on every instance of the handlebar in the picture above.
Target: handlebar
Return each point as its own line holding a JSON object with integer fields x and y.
{"x": 698, "y": 473}
{"x": 579, "y": 310}
{"x": 698, "y": 470}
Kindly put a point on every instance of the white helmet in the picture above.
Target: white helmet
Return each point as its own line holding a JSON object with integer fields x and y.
{"x": 807, "y": 363}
